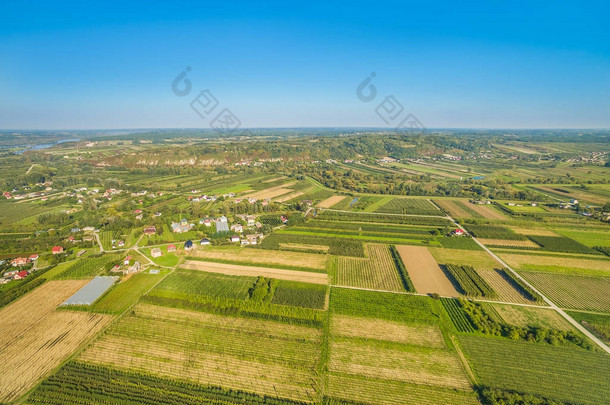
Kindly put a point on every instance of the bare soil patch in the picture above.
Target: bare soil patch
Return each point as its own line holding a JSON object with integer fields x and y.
{"x": 425, "y": 272}
{"x": 260, "y": 256}
{"x": 236, "y": 270}
{"x": 487, "y": 211}
{"x": 271, "y": 192}
{"x": 330, "y": 201}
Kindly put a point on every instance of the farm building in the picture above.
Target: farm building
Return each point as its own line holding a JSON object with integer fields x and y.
{"x": 91, "y": 291}
{"x": 57, "y": 250}
{"x": 237, "y": 228}
{"x": 171, "y": 248}
{"x": 251, "y": 219}
{"x": 127, "y": 260}
{"x": 188, "y": 245}
{"x": 155, "y": 252}
{"x": 234, "y": 238}
{"x": 204, "y": 242}
{"x": 81, "y": 252}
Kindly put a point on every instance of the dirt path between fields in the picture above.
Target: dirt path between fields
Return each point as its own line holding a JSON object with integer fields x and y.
{"x": 253, "y": 271}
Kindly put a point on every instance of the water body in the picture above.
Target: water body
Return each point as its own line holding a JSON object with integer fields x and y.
{"x": 44, "y": 145}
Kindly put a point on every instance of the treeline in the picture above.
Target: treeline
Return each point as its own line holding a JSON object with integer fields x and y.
{"x": 402, "y": 270}
{"x": 469, "y": 281}
{"x": 485, "y": 323}
{"x": 494, "y": 396}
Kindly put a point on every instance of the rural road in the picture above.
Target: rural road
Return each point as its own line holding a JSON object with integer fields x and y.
{"x": 99, "y": 242}
{"x": 578, "y": 326}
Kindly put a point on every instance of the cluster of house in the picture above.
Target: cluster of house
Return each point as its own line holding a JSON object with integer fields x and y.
{"x": 205, "y": 197}
{"x": 17, "y": 274}
{"x": 182, "y": 226}
{"x": 512, "y": 204}
{"x": 479, "y": 202}
{"x": 128, "y": 267}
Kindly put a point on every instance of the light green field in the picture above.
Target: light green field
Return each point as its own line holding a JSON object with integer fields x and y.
{"x": 127, "y": 292}
{"x": 563, "y": 374}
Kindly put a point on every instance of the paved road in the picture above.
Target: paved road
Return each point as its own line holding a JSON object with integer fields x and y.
{"x": 577, "y": 325}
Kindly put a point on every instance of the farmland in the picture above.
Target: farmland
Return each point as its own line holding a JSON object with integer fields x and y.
{"x": 47, "y": 337}
{"x": 283, "y": 362}
{"x": 378, "y": 271}
{"x": 237, "y": 270}
{"x": 425, "y": 272}
{"x": 500, "y": 363}
{"x": 381, "y": 354}
{"x": 263, "y": 257}
{"x": 574, "y": 292}
{"x": 357, "y": 291}
{"x": 126, "y": 293}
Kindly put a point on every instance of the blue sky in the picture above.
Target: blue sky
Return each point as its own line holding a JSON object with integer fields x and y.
{"x": 489, "y": 64}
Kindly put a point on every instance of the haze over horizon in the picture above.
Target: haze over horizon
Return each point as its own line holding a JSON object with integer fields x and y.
{"x": 69, "y": 65}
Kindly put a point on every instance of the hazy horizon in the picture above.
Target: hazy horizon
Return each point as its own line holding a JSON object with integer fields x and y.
{"x": 82, "y": 66}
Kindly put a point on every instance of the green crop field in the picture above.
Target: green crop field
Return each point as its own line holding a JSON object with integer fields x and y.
{"x": 126, "y": 293}
{"x": 231, "y": 295}
{"x": 76, "y": 383}
{"x": 378, "y": 271}
{"x": 299, "y": 294}
{"x": 558, "y": 373}
{"x": 87, "y": 268}
{"x": 573, "y": 292}
{"x": 397, "y": 353}
{"x": 281, "y": 362}
{"x": 409, "y": 206}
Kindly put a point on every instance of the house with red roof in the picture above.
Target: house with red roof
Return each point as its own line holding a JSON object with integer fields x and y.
{"x": 57, "y": 250}
{"x": 458, "y": 232}
{"x": 126, "y": 261}
{"x": 21, "y": 275}
{"x": 171, "y": 248}
{"x": 34, "y": 256}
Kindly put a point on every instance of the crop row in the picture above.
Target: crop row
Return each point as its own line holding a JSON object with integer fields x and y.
{"x": 470, "y": 282}
{"x": 520, "y": 286}
{"x": 88, "y": 267}
{"x": 336, "y": 246}
{"x": 402, "y": 270}
{"x": 409, "y": 206}
{"x": 557, "y": 373}
{"x": 457, "y": 315}
{"x": 561, "y": 244}
{"x": 80, "y": 383}
{"x": 383, "y": 218}
{"x": 493, "y": 232}
{"x": 363, "y": 226}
